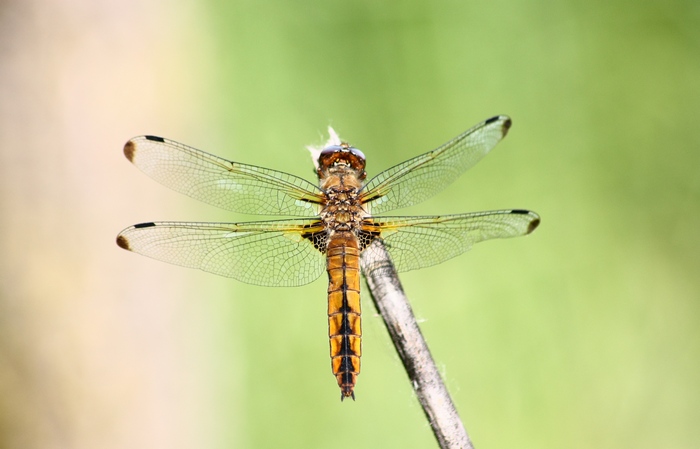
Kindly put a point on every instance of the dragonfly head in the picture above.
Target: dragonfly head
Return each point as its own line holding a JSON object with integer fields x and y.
{"x": 338, "y": 155}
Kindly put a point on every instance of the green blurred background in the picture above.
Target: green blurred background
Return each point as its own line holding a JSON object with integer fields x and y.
{"x": 584, "y": 334}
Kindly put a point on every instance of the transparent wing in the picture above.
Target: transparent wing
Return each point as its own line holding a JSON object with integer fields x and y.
{"x": 417, "y": 242}
{"x": 418, "y": 179}
{"x": 236, "y": 187}
{"x": 271, "y": 253}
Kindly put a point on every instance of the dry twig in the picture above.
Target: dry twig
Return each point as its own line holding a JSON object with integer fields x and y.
{"x": 391, "y": 301}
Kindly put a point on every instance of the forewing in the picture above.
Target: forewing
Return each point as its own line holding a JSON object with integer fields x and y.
{"x": 270, "y": 253}
{"x": 418, "y": 179}
{"x": 417, "y": 242}
{"x": 236, "y": 187}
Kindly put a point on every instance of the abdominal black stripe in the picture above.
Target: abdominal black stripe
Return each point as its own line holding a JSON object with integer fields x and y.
{"x": 345, "y": 328}
{"x": 346, "y": 365}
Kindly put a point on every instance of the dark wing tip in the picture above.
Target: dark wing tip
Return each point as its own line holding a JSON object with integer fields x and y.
{"x": 533, "y": 225}
{"x": 505, "y": 126}
{"x": 123, "y": 242}
{"x": 130, "y": 150}
{"x": 535, "y": 219}
{"x": 131, "y": 146}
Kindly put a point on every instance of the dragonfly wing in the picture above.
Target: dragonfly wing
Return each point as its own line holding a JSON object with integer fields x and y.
{"x": 421, "y": 177}
{"x": 270, "y": 253}
{"x": 236, "y": 187}
{"x": 417, "y": 242}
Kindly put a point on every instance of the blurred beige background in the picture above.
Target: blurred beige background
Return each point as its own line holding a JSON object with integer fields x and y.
{"x": 88, "y": 359}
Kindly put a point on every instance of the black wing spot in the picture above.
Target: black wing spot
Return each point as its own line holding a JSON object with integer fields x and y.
{"x": 492, "y": 119}
{"x": 318, "y": 239}
{"x": 155, "y": 138}
{"x": 308, "y": 200}
{"x": 520, "y": 211}
{"x": 366, "y": 238}
{"x": 144, "y": 225}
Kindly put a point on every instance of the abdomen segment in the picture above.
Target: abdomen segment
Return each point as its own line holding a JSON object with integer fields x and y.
{"x": 344, "y": 327}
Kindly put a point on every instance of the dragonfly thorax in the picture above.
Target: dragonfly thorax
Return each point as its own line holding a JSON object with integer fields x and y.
{"x": 343, "y": 210}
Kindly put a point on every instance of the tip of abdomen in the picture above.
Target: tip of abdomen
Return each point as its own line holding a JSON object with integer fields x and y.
{"x": 346, "y": 391}
{"x": 346, "y": 382}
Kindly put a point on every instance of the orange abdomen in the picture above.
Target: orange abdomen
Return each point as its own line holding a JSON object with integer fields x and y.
{"x": 344, "y": 328}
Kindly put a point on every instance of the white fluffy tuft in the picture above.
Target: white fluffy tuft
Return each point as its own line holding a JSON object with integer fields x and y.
{"x": 333, "y": 139}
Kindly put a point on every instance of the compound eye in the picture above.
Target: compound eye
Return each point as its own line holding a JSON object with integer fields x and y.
{"x": 330, "y": 150}
{"x": 357, "y": 153}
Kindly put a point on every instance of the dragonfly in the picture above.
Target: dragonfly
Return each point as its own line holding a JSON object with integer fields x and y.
{"x": 335, "y": 221}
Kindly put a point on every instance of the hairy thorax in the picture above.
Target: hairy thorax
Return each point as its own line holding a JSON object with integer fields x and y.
{"x": 342, "y": 210}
